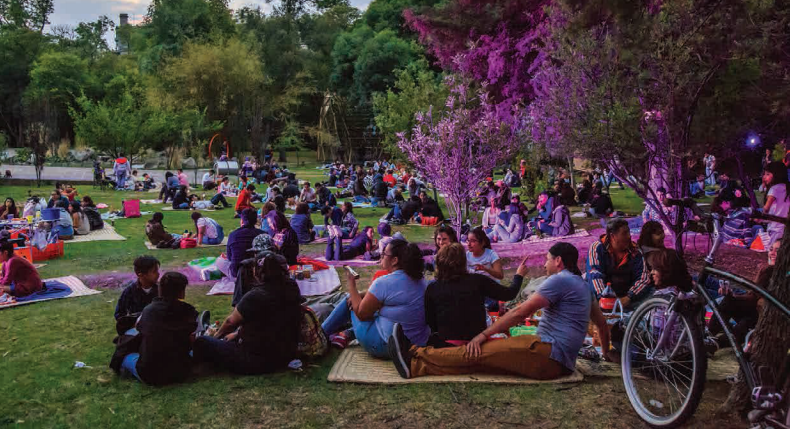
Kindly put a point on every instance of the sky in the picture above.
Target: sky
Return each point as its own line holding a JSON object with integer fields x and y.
{"x": 72, "y": 12}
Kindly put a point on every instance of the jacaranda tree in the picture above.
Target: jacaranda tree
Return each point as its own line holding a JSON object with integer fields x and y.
{"x": 459, "y": 149}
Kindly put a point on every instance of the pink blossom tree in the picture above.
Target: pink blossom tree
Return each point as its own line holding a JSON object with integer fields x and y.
{"x": 461, "y": 148}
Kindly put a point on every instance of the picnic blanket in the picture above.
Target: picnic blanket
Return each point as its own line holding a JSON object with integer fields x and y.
{"x": 321, "y": 283}
{"x": 171, "y": 209}
{"x": 356, "y": 262}
{"x": 150, "y": 246}
{"x": 150, "y": 201}
{"x": 57, "y": 288}
{"x": 355, "y": 365}
{"x": 113, "y": 216}
{"x": 107, "y": 233}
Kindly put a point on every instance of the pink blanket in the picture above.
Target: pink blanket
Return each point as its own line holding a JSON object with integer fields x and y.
{"x": 356, "y": 262}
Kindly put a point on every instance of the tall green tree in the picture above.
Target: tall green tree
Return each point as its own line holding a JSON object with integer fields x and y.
{"x": 19, "y": 48}
{"x": 29, "y": 14}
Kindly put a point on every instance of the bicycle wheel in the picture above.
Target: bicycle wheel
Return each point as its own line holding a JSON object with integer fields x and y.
{"x": 664, "y": 386}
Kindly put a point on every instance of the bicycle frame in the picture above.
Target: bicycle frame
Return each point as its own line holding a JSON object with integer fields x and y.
{"x": 739, "y": 355}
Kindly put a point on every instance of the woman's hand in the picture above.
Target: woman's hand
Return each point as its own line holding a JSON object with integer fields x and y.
{"x": 480, "y": 267}
{"x": 522, "y": 268}
{"x": 473, "y": 347}
{"x": 232, "y": 336}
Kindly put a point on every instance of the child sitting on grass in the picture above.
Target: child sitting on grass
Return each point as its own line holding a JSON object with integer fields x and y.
{"x": 19, "y": 277}
{"x": 167, "y": 330}
{"x": 137, "y": 295}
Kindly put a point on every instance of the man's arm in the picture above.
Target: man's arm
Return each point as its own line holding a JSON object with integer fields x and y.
{"x": 511, "y": 318}
{"x": 230, "y": 324}
{"x": 595, "y": 275}
{"x": 596, "y": 316}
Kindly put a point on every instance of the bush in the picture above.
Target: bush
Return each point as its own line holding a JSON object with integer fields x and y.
{"x": 23, "y": 156}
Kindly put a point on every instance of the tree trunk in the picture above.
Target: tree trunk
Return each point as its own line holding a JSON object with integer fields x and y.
{"x": 770, "y": 342}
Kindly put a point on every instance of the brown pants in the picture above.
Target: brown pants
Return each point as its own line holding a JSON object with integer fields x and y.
{"x": 525, "y": 355}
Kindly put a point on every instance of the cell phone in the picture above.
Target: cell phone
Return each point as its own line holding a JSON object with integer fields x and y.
{"x": 351, "y": 271}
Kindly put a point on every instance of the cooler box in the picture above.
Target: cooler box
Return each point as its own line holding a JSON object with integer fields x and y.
{"x": 226, "y": 168}
{"x": 50, "y": 214}
{"x": 32, "y": 254}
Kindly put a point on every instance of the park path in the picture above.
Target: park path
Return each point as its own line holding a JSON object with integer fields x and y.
{"x": 84, "y": 174}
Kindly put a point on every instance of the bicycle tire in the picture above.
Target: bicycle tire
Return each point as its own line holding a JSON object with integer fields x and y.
{"x": 630, "y": 366}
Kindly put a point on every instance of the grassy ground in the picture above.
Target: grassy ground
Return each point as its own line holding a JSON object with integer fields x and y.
{"x": 40, "y": 343}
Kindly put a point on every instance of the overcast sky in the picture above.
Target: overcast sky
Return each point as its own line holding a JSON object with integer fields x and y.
{"x": 72, "y": 12}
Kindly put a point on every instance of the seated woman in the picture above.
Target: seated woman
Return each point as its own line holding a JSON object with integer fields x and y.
{"x": 362, "y": 243}
{"x": 9, "y": 209}
{"x": 283, "y": 235}
{"x": 156, "y": 231}
{"x": 261, "y": 335}
{"x": 511, "y": 231}
{"x": 20, "y": 277}
{"x": 302, "y": 224}
{"x": 385, "y": 237}
{"x": 491, "y": 216}
{"x": 737, "y": 228}
{"x": 360, "y": 192}
{"x": 350, "y": 224}
{"x": 454, "y": 302}
{"x": 65, "y": 225}
{"x": 651, "y": 238}
{"x": 481, "y": 259}
{"x": 395, "y": 298}
{"x": 80, "y": 222}
{"x": 545, "y": 206}
{"x": 209, "y": 231}
{"x": 601, "y": 205}
{"x": 560, "y": 224}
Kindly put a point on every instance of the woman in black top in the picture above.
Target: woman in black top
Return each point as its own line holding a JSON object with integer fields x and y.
{"x": 262, "y": 332}
{"x": 455, "y": 301}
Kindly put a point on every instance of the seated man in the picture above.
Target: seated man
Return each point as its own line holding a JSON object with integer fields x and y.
{"x": 181, "y": 199}
{"x": 560, "y": 224}
{"x": 308, "y": 195}
{"x": 244, "y": 201}
{"x": 567, "y": 310}
{"x": 240, "y": 240}
{"x": 615, "y": 263}
{"x": 156, "y": 232}
{"x": 148, "y": 182}
{"x": 650, "y": 213}
{"x": 137, "y": 295}
{"x": 20, "y": 277}
{"x": 430, "y": 208}
{"x": 738, "y": 228}
{"x": 404, "y": 212}
{"x": 325, "y": 197}
{"x": 209, "y": 181}
{"x": 167, "y": 329}
{"x": 55, "y": 198}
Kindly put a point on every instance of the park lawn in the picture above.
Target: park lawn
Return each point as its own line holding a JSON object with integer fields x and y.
{"x": 40, "y": 343}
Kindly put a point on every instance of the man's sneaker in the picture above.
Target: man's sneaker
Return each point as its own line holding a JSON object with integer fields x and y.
{"x": 711, "y": 346}
{"x": 339, "y": 340}
{"x": 399, "y": 350}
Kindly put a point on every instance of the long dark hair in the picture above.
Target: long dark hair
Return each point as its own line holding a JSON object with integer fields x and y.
{"x": 13, "y": 203}
{"x": 779, "y": 171}
{"x": 481, "y": 236}
{"x": 409, "y": 258}
{"x": 650, "y": 228}
{"x": 569, "y": 255}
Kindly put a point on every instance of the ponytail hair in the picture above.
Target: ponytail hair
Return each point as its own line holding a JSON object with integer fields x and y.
{"x": 409, "y": 258}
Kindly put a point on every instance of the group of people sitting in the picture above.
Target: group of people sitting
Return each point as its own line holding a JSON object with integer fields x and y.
{"x": 510, "y": 221}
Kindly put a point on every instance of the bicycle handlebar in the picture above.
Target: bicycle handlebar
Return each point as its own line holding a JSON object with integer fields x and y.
{"x": 689, "y": 203}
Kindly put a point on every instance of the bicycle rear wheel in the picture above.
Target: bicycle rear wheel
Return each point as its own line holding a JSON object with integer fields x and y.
{"x": 664, "y": 386}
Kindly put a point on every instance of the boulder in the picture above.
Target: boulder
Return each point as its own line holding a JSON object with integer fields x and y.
{"x": 81, "y": 154}
{"x": 188, "y": 163}
{"x": 151, "y": 164}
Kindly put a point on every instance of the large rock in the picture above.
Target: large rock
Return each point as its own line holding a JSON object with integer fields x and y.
{"x": 151, "y": 164}
{"x": 188, "y": 163}
{"x": 81, "y": 154}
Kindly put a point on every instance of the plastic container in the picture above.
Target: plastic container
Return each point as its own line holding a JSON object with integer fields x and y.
{"x": 517, "y": 331}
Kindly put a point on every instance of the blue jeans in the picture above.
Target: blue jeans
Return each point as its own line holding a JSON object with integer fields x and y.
{"x": 366, "y": 332}
{"x": 395, "y": 213}
{"x": 361, "y": 199}
{"x": 219, "y": 199}
{"x": 183, "y": 206}
{"x": 218, "y": 239}
{"x": 505, "y": 236}
{"x": 121, "y": 180}
{"x": 129, "y": 365}
{"x": 335, "y": 251}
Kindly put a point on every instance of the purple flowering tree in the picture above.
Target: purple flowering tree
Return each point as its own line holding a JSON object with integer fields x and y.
{"x": 459, "y": 149}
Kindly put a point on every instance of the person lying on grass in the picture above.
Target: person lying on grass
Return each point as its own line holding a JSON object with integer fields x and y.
{"x": 394, "y": 298}
{"x": 19, "y": 277}
{"x": 454, "y": 302}
{"x": 261, "y": 334}
{"x": 167, "y": 329}
{"x": 137, "y": 294}
{"x": 567, "y": 307}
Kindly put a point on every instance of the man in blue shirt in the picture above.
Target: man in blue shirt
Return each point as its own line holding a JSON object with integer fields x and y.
{"x": 240, "y": 240}
{"x": 567, "y": 309}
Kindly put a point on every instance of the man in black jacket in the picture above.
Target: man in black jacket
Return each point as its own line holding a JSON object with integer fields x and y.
{"x": 430, "y": 208}
{"x": 403, "y": 212}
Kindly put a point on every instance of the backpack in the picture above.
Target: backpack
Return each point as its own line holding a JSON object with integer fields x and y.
{"x": 131, "y": 208}
{"x": 94, "y": 218}
{"x": 188, "y": 243}
{"x": 313, "y": 342}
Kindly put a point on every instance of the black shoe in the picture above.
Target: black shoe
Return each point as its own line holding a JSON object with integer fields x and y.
{"x": 399, "y": 346}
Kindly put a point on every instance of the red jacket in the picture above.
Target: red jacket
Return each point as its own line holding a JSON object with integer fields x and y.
{"x": 23, "y": 275}
{"x": 244, "y": 200}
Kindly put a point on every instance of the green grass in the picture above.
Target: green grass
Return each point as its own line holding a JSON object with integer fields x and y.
{"x": 40, "y": 343}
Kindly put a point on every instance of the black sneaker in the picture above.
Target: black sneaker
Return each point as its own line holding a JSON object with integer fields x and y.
{"x": 399, "y": 346}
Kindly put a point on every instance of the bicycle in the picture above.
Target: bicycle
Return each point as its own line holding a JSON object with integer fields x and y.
{"x": 664, "y": 362}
